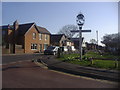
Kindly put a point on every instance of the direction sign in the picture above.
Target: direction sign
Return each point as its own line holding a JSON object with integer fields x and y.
{"x": 81, "y": 30}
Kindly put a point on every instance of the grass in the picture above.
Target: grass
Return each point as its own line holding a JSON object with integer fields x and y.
{"x": 106, "y": 64}
{"x": 97, "y": 55}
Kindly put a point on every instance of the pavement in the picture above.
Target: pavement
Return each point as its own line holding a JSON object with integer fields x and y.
{"x": 11, "y": 58}
{"x": 51, "y": 62}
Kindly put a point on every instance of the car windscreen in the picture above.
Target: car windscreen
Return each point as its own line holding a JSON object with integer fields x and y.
{"x": 50, "y": 48}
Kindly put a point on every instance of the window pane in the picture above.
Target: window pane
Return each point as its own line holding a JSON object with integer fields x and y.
{"x": 34, "y": 35}
{"x": 40, "y": 36}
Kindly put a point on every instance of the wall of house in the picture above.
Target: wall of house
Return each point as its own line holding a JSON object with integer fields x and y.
{"x": 19, "y": 49}
{"x": 29, "y": 40}
{"x": 61, "y": 41}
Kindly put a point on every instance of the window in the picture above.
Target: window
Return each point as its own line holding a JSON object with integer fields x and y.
{"x": 40, "y": 36}
{"x": 33, "y": 46}
{"x": 34, "y": 35}
{"x": 46, "y": 37}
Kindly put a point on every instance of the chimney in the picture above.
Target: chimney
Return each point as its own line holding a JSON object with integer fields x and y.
{"x": 15, "y": 25}
{"x": 8, "y": 26}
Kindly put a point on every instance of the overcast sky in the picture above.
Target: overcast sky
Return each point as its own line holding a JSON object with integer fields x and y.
{"x": 101, "y": 16}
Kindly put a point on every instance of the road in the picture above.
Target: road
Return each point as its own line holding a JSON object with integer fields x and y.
{"x": 21, "y": 57}
{"x": 27, "y": 74}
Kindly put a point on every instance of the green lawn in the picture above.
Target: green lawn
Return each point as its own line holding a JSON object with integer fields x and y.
{"x": 97, "y": 55}
{"x": 107, "y": 64}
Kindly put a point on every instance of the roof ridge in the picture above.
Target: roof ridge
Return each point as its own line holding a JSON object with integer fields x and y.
{"x": 26, "y": 23}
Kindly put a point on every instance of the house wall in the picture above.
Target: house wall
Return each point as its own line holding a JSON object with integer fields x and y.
{"x": 61, "y": 41}
{"x": 29, "y": 40}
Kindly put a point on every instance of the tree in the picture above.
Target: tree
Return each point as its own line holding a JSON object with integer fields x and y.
{"x": 93, "y": 41}
{"x": 67, "y": 30}
{"x": 112, "y": 41}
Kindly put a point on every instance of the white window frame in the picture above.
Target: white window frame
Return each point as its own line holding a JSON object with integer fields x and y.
{"x": 40, "y": 36}
{"x": 46, "y": 37}
{"x": 34, "y": 35}
{"x": 33, "y": 46}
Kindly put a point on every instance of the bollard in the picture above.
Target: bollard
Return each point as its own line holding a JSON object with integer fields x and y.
{"x": 58, "y": 54}
{"x": 91, "y": 61}
{"x": 116, "y": 63}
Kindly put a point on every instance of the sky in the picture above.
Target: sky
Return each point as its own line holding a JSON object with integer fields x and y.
{"x": 101, "y": 16}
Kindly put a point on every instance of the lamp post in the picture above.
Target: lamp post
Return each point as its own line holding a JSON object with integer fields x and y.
{"x": 80, "y": 19}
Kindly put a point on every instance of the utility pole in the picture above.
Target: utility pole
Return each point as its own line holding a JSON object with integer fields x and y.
{"x": 97, "y": 40}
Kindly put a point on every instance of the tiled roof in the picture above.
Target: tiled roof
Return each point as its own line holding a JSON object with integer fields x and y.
{"x": 5, "y": 27}
{"x": 56, "y": 37}
{"x": 43, "y": 30}
{"x": 75, "y": 39}
{"x": 23, "y": 28}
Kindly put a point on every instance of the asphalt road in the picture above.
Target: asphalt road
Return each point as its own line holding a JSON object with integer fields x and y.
{"x": 27, "y": 74}
{"x": 22, "y": 57}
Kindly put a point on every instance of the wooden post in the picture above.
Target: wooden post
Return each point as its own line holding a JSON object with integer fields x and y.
{"x": 58, "y": 53}
{"x": 91, "y": 61}
{"x": 116, "y": 63}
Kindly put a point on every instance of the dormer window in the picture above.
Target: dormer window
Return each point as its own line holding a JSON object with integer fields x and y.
{"x": 34, "y": 35}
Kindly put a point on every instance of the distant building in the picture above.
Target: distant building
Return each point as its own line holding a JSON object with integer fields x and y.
{"x": 24, "y": 38}
{"x": 76, "y": 42}
{"x": 92, "y": 46}
{"x": 60, "y": 40}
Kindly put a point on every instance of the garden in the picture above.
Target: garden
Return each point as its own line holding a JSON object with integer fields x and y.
{"x": 93, "y": 59}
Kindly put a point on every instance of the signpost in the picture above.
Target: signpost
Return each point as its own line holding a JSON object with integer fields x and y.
{"x": 80, "y": 21}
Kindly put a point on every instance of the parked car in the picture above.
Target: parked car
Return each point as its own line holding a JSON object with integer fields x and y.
{"x": 64, "y": 48}
{"x": 68, "y": 48}
{"x": 51, "y": 50}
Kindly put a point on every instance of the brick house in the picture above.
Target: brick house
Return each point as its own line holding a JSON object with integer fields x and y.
{"x": 60, "y": 40}
{"x": 24, "y": 38}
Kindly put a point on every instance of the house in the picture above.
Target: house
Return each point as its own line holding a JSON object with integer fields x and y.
{"x": 60, "y": 40}
{"x": 24, "y": 38}
{"x": 92, "y": 46}
{"x": 76, "y": 42}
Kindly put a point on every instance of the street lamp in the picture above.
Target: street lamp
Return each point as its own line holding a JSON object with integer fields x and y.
{"x": 80, "y": 19}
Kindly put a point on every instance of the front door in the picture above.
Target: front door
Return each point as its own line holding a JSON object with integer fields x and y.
{"x": 40, "y": 47}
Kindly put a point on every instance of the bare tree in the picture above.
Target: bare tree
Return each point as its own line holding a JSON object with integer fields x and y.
{"x": 93, "y": 41}
{"x": 67, "y": 30}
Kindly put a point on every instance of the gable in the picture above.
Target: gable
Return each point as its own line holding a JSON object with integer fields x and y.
{"x": 32, "y": 29}
{"x": 24, "y": 28}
